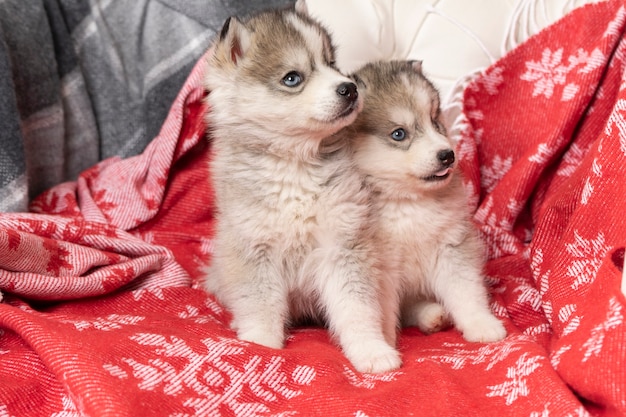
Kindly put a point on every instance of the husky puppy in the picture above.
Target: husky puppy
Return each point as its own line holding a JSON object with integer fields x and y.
{"x": 433, "y": 254}
{"x": 293, "y": 224}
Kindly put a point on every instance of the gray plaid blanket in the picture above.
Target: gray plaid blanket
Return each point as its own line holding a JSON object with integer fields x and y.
{"x": 84, "y": 80}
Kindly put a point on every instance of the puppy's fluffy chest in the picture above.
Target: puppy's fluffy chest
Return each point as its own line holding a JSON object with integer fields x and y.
{"x": 284, "y": 203}
{"x": 414, "y": 223}
{"x": 293, "y": 201}
{"x": 413, "y": 232}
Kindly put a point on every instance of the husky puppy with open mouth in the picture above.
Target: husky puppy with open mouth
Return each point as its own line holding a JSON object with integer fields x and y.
{"x": 433, "y": 255}
{"x": 292, "y": 238}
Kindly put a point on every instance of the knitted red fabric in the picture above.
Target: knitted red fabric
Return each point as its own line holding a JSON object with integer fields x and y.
{"x": 102, "y": 315}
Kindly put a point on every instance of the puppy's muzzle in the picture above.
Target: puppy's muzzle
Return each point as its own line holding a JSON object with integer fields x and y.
{"x": 446, "y": 159}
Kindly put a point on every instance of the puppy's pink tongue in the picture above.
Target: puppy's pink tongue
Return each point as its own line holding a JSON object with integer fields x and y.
{"x": 443, "y": 172}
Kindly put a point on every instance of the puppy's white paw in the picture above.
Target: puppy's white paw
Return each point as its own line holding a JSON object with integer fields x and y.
{"x": 484, "y": 328}
{"x": 374, "y": 357}
{"x": 428, "y": 316}
{"x": 264, "y": 338}
{"x": 431, "y": 318}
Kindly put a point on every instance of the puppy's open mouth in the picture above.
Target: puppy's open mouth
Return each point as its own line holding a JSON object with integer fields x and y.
{"x": 439, "y": 175}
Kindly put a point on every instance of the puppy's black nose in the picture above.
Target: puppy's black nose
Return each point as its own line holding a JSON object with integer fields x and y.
{"x": 446, "y": 157}
{"x": 348, "y": 91}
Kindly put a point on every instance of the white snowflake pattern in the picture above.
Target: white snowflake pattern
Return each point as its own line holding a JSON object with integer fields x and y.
{"x": 588, "y": 256}
{"x": 544, "y": 413}
{"x": 566, "y": 312}
{"x": 207, "y": 246}
{"x": 567, "y": 317}
{"x": 190, "y": 141}
{"x": 571, "y": 326}
{"x": 492, "y": 80}
{"x": 555, "y": 358}
{"x": 579, "y": 412}
{"x": 492, "y": 174}
{"x": 615, "y": 26}
{"x": 516, "y": 384}
{"x": 588, "y": 189}
{"x": 529, "y": 295}
{"x": 534, "y": 331}
{"x": 459, "y": 356}
{"x": 548, "y": 310}
{"x": 105, "y": 324}
{"x": 193, "y": 312}
{"x": 499, "y": 309}
{"x": 368, "y": 381}
{"x": 570, "y": 91}
{"x": 536, "y": 262}
{"x": 155, "y": 292}
{"x": 4, "y": 411}
{"x": 616, "y": 119}
{"x": 208, "y": 382}
{"x": 467, "y": 140}
{"x": 69, "y": 409}
{"x": 543, "y": 154}
{"x": 571, "y": 160}
{"x": 587, "y": 192}
{"x": 546, "y": 73}
{"x": 475, "y": 114}
{"x": 545, "y": 151}
{"x": 589, "y": 61}
{"x": 206, "y": 249}
{"x": 551, "y": 71}
{"x": 496, "y": 231}
{"x": 466, "y": 148}
{"x": 596, "y": 167}
{"x": 115, "y": 370}
{"x": 472, "y": 193}
{"x": 614, "y": 318}
{"x": 303, "y": 375}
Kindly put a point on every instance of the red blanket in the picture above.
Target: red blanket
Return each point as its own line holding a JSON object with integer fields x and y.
{"x": 102, "y": 315}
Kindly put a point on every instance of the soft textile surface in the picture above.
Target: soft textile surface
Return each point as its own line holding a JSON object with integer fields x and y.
{"x": 453, "y": 37}
{"x": 102, "y": 315}
{"x": 83, "y": 80}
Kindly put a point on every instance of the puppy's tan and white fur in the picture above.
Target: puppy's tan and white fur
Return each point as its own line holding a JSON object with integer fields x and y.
{"x": 433, "y": 257}
{"x": 293, "y": 231}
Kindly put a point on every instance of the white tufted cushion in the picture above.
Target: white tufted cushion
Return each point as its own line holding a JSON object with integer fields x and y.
{"x": 454, "y": 38}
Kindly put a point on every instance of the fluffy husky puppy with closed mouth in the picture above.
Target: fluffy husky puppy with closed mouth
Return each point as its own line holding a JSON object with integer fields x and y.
{"x": 292, "y": 214}
{"x": 433, "y": 254}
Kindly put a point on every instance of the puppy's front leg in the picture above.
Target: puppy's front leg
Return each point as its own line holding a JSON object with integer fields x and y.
{"x": 460, "y": 287}
{"x": 349, "y": 294}
{"x": 259, "y": 305}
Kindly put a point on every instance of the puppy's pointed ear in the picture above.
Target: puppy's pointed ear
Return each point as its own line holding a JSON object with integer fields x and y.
{"x": 301, "y": 7}
{"x": 235, "y": 38}
{"x": 416, "y": 65}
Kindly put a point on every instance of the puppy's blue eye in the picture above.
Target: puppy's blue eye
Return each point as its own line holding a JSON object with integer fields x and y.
{"x": 398, "y": 135}
{"x": 292, "y": 79}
